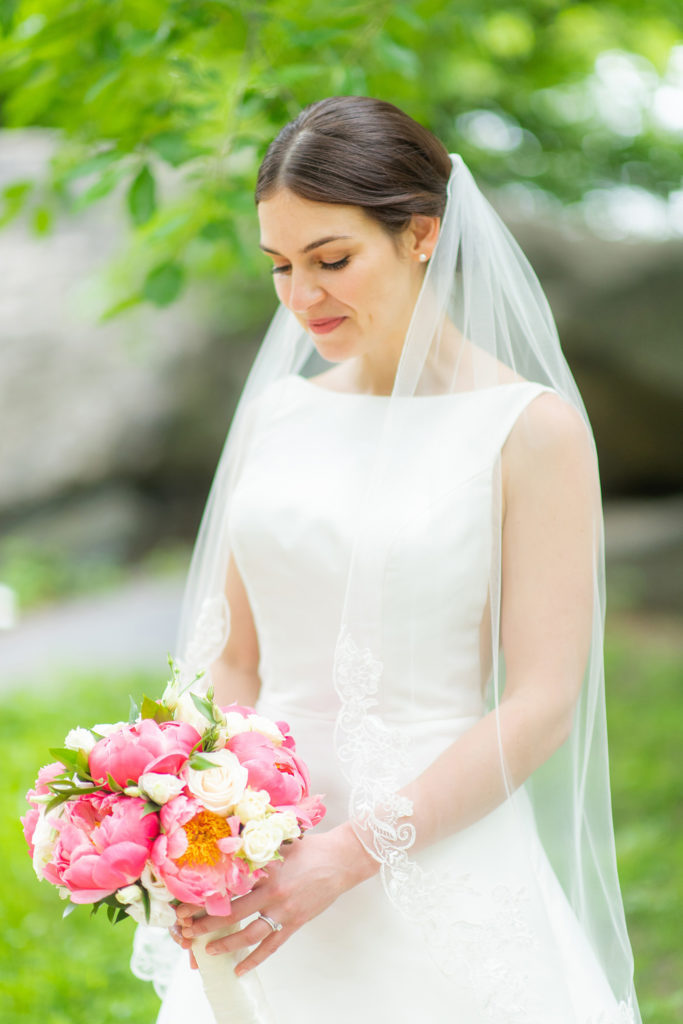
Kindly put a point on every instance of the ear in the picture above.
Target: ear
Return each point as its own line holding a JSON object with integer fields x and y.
{"x": 421, "y": 235}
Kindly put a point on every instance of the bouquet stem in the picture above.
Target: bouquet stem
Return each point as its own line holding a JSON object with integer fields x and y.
{"x": 233, "y": 1000}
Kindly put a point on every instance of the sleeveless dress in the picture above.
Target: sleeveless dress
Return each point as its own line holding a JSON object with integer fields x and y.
{"x": 291, "y": 531}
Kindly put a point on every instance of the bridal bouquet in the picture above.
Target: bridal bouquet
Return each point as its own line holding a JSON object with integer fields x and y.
{"x": 186, "y": 802}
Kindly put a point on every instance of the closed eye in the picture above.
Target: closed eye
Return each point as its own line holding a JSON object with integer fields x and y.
{"x": 338, "y": 265}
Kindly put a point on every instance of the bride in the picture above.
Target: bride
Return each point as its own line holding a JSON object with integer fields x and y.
{"x": 402, "y": 557}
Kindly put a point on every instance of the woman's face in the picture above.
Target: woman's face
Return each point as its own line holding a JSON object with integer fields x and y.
{"x": 348, "y": 282}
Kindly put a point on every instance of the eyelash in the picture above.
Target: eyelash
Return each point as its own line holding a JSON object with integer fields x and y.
{"x": 339, "y": 265}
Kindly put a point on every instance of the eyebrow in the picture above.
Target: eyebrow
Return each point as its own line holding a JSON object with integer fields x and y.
{"x": 311, "y": 245}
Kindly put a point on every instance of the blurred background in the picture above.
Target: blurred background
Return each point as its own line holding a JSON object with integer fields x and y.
{"x": 133, "y": 299}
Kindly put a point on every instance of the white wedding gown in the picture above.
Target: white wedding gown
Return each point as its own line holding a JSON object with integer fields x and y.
{"x": 291, "y": 527}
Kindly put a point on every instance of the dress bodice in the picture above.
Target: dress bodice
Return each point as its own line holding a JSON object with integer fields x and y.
{"x": 294, "y": 519}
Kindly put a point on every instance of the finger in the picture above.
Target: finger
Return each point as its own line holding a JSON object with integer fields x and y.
{"x": 187, "y": 910}
{"x": 264, "y": 949}
{"x": 194, "y": 926}
{"x": 239, "y": 939}
{"x": 193, "y": 963}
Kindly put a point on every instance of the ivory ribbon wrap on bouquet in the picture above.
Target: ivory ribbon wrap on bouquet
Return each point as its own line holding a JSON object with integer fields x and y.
{"x": 233, "y": 1000}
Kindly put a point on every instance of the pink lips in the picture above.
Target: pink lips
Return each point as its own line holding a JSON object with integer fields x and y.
{"x": 325, "y": 326}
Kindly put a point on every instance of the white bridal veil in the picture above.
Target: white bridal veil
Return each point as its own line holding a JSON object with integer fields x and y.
{"x": 481, "y": 322}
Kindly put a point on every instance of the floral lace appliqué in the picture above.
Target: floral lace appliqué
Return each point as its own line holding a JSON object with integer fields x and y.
{"x": 485, "y": 953}
{"x": 209, "y": 636}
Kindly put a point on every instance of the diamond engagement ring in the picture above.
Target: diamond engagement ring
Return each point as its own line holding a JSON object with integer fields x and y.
{"x": 276, "y": 927}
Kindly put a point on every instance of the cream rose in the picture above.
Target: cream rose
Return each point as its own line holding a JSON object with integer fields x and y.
{"x": 236, "y": 723}
{"x": 187, "y": 711}
{"x": 253, "y": 805}
{"x": 219, "y": 788}
{"x": 80, "y": 739}
{"x": 107, "y": 728}
{"x": 261, "y": 840}
{"x": 258, "y": 723}
{"x": 129, "y": 894}
{"x": 160, "y": 788}
{"x": 287, "y": 821}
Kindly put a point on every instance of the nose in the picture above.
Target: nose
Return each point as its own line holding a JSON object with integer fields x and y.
{"x": 304, "y": 291}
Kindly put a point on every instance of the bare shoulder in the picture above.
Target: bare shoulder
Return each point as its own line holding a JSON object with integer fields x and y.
{"x": 550, "y": 442}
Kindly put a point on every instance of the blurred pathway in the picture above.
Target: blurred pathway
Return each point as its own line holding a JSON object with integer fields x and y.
{"x": 132, "y": 627}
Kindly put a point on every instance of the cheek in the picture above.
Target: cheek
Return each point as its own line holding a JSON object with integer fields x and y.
{"x": 281, "y": 284}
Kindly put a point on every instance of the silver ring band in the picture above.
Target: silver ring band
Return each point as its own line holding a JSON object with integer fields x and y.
{"x": 276, "y": 927}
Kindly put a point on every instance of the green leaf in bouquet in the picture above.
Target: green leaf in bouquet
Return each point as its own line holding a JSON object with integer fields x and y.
{"x": 150, "y": 808}
{"x": 69, "y": 909}
{"x": 113, "y": 784}
{"x": 204, "y": 706}
{"x": 67, "y": 757}
{"x": 211, "y": 739}
{"x": 83, "y": 765}
{"x": 146, "y": 906}
{"x": 200, "y": 763}
{"x": 57, "y": 801}
{"x": 121, "y": 915}
{"x": 154, "y": 710}
{"x": 111, "y": 913}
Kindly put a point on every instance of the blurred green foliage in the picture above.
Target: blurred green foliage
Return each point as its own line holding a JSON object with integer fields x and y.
{"x": 43, "y": 975}
{"x": 174, "y": 102}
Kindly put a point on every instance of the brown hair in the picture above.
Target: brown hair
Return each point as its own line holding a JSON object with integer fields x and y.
{"x": 359, "y": 151}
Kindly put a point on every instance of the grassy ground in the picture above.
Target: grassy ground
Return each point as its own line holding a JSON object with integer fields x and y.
{"x": 76, "y": 971}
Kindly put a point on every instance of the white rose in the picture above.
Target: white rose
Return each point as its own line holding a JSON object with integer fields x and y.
{"x": 129, "y": 894}
{"x": 261, "y": 840}
{"x": 132, "y": 791}
{"x": 106, "y": 729}
{"x": 44, "y": 840}
{"x": 171, "y": 693}
{"x": 253, "y": 805}
{"x": 287, "y": 821}
{"x": 161, "y": 914}
{"x": 80, "y": 739}
{"x": 160, "y": 788}
{"x": 219, "y": 788}
{"x": 236, "y": 723}
{"x": 187, "y": 711}
{"x": 154, "y": 885}
{"x": 267, "y": 728}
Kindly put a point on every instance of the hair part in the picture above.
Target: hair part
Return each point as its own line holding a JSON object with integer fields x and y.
{"x": 359, "y": 151}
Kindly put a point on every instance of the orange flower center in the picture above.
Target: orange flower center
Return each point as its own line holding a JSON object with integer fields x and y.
{"x": 203, "y": 832}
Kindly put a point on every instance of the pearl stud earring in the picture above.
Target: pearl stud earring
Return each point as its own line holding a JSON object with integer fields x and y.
{"x": 423, "y": 257}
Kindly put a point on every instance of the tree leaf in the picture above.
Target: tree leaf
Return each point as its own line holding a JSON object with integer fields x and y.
{"x": 142, "y": 196}
{"x": 174, "y": 148}
{"x": 163, "y": 284}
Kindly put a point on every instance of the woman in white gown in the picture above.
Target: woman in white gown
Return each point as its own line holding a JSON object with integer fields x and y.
{"x": 405, "y": 554}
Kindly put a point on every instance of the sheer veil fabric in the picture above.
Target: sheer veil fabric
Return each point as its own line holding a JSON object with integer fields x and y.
{"x": 481, "y": 322}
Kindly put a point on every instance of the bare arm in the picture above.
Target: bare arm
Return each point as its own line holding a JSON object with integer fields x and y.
{"x": 551, "y": 504}
{"x": 235, "y": 673}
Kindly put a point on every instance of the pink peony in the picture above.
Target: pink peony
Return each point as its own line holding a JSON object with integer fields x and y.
{"x": 30, "y": 819}
{"x": 274, "y": 768}
{"x": 104, "y": 843}
{"x": 194, "y": 856}
{"x": 146, "y": 746}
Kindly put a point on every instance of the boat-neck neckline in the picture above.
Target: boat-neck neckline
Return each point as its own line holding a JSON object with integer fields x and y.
{"x": 383, "y": 398}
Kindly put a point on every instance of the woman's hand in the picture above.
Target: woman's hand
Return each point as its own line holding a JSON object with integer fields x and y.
{"x": 313, "y": 873}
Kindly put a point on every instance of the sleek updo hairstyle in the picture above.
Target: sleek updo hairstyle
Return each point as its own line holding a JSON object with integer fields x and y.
{"x": 359, "y": 151}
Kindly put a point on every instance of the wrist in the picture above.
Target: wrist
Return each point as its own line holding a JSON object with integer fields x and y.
{"x": 357, "y": 863}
